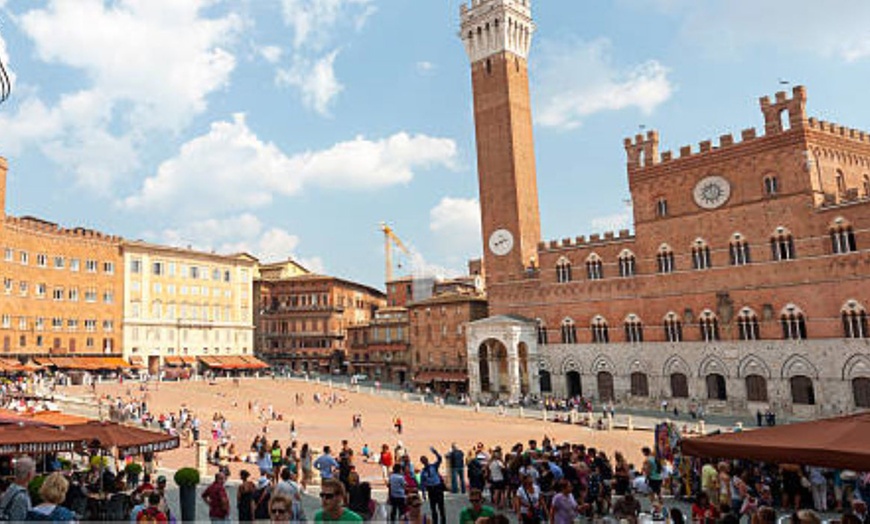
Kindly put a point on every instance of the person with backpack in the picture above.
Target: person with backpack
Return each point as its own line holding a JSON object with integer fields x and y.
{"x": 15, "y": 502}
{"x": 152, "y": 512}
{"x": 52, "y": 492}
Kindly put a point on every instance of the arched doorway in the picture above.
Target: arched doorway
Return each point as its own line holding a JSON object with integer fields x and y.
{"x": 679, "y": 385}
{"x": 756, "y": 388}
{"x": 572, "y": 379}
{"x": 605, "y": 386}
{"x": 501, "y": 362}
{"x": 861, "y": 392}
{"x": 802, "y": 391}
{"x": 639, "y": 384}
{"x": 483, "y": 367}
{"x": 716, "y": 387}
{"x": 546, "y": 381}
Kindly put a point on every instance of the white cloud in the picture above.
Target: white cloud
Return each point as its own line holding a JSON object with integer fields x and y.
{"x": 271, "y": 53}
{"x": 613, "y": 222}
{"x": 315, "y": 79}
{"x": 455, "y": 224}
{"x": 313, "y": 21}
{"x": 233, "y": 234}
{"x": 734, "y": 26}
{"x": 149, "y": 67}
{"x": 578, "y": 79}
{"x": 230, "y": 168}
{"x": 316, "y": 25}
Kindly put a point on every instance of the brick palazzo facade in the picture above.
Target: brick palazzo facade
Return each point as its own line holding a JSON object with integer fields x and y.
{"x": 303, "y": 318}
{"x": 745, "y": 283}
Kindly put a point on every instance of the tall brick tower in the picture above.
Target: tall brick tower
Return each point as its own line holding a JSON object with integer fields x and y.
{"x": 497, "y": 35}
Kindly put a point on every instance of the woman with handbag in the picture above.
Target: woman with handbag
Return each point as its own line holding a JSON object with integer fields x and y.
{"x": 529, "y": 504}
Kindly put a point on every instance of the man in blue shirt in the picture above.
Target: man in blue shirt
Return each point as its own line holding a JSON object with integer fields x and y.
{"x": 326, "y": 464}
{"x": 431, "y": 481}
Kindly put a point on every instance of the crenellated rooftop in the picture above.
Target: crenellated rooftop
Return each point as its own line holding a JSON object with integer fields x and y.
{"x": 643, "y": 150}
{"x": 609, "y": 237}
{"x": 35, "y": 224}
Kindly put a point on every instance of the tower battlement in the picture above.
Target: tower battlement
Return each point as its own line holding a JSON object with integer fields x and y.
{"x": 643, "y": 150}
{"x": 609, "y": 237}
{"x": 795, "y": 108}
{"x": 38, "y": 225}
{"x": 489, "y": 27}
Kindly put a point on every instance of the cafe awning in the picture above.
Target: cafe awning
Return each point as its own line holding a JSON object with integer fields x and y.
{"x": 85, "y": 363}
{"x": 231, "y": 362}
{"x": 39, "y": 439}
{"x": 137, "y": 362}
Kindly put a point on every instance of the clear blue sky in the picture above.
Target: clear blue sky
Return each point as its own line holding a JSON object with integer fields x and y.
{"x": 293, "y": 127}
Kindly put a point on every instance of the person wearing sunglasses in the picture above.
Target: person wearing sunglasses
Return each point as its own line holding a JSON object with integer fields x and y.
{"x": 332, "y": 497}
{"x": 470, "y": 514}
{"x": 280, "y": 509}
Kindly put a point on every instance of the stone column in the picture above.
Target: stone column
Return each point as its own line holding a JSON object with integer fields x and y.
{"x": 202, "y": 457}
{"x": 474, "y": 377}
{"x": 514, "y": 376}
{"x": 494, "y": 378}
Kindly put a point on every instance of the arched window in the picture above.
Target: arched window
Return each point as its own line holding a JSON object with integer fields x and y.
{"x": 861, "y": 392}
{"x": 771, "y": 185}
{"x": 782, "y": 245}
{"x": 842, "y": 237}
{"x": 633, "y": 329}
{"x": 709, "y": 325}
{"x": 679, "y": 386}
{"x": 546, "y": 381}
{"x": 661, "y": 208}
{"x": 854, "y": 320}
{"x": 600, "y": 332}
{"x": 569, "y": 332}
{"x": 747, "y": 324}
{"x": 639, "y": 384}
{"x": 673, "y": 328}
{"x": 594, "y": 270}
{"x": 794, "y": 326}
{"x": 802, "y": 390}
{"x": 542, "y": 332}
{"x": 756, "y": 388}
{"x": 841, "y": 183}
{"x": 700, "y": 255}
{"x": 738, "y": 250}
{"x": 716, "y": 389}
{"x": 665, "y": 259}
{"x": 563, "y": 270}
{"x": 626, "y": 264}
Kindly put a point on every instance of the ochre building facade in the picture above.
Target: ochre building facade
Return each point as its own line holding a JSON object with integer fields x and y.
{"x": 62, "y": 288}
{"x": 743, "y": 286}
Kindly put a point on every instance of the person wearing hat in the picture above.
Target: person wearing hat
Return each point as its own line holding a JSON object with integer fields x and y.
{"x": 262, "y": 495}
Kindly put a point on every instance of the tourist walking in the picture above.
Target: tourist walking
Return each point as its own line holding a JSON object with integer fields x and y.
{"x": 245, "y": 497}
{"x": 397, "y": 484}
{"x": 326, "y": 464}
{"x": 456, "y": 461}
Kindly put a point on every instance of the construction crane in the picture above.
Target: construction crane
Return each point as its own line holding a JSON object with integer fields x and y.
{"x": 5, "y": 84}
{"x": 390, "y": 238}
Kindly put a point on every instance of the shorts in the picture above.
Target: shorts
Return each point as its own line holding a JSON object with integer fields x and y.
{"x": 655, "y": 486}
{"x": 497, "y": 485}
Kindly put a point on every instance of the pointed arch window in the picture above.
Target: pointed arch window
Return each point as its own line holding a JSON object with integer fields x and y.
{"x": 594, "y": 267}
{"x": 842, "y": 237}
{"x": 569, "y": 332}
{"x": 542, "y": 332}
{"x": 633, "y": 329}
{"x": 661, "y": 208}
{"x": 794, "y": 326}
{"x": 563, "y": 270}
{"x": 771, "y": 185}
{"x": 600, "y": 330}
{"x": 626, "y": 264}
{"x": 665, "y": 259}
{"x": 854, "y": 320}
{"x": 700, "y": 255}
{"x": 782, "y": 245}
{"x": 738, "y": 251}
{"x": 841, "y": 183}
{"x": 709, "y": 325}
{"x": 673, "y": 328}
{"x": 747, "y": 324}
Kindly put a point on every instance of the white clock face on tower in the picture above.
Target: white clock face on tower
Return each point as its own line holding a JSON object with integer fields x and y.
{"x": 712, "y": 192}
{"x": 501, "y": 242}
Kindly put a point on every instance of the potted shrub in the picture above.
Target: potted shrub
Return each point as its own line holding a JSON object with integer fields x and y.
{"x": 33, "y": 489}
{"x": 133, "y": 471}
{"x": 187, "y": 480}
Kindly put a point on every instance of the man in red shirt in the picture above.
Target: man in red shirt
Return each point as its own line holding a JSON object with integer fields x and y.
{"x": 703, "y": 512}
{"x": 216, "y": 497}
{"x": 152, "y": 513}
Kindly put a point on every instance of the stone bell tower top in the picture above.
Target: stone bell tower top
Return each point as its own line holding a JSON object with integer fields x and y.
{"x": 493, "y": 26}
